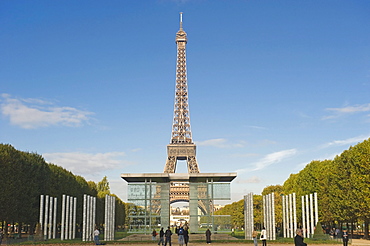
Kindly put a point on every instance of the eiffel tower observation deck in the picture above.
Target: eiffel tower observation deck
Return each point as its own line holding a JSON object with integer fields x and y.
{"x": 152, "y": 193}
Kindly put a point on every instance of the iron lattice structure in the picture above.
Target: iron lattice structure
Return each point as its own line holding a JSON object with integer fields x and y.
{"x": 181, "y": 146}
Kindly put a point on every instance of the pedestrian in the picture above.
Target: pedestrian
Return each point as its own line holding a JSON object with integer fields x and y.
{"x": 337, "y": 232}
{"x": 298, "y": 239}
{"x": 208, "y": 236}
{"x": 186, "y": 235}
{"x": 167, "y": 236}
{"x": 345, "y": 237}
{"x": 154, "y": 235}
{"x": 254, "y": 236}
{"x": 1, "y": 236}
{"x": 180, "y": 233}
{"x": 263, "y": 236}
{"x": 161, "y": 237}
{"x": 96, "y": 236}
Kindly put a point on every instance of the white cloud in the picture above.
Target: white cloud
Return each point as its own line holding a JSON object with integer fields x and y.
{"x": 268, "y": 160}
{"x": 251, "y": 180}
{"x": 337, "y": 112}
{"x": 87, "y": 164}
{"x": 34, "y": 113}
{"x": 220, "y": 143}
{"x": 257, "y": 127}
{"x": 119, "y": 187}
{"x": 349, "y": 141}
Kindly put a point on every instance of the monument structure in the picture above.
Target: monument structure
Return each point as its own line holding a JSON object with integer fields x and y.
{"x": 152, "y": 193}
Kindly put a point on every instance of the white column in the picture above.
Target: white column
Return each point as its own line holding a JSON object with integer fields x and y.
{"x": 269, "y": 217}
{"x": 303, "y": 219}
{"x": 264, "y": 211}
{"x": 283, "y": 208}
{"x": 273, "y": 216}
{"x": 70, "y": 217}
{"x": 113, "y": 216}
{"x": 55, "y": 218}
{"x": 91, "y": 226}
{"x": 50, "y": 216}
{"x": 267, "y": 213}
{"x": 46, "y": 216}
{"x": 84, "y": 219}
{"x": 63, "y": 216}
{"x": 67, "y": 218}
{"x": 287, "y": 215}
{"x": 106, "y": 226}
{"x": 88, "y": 219}
{"x": 312, "y": 218}
{"x": 316, "y": 209}
{"x": 41, "y": 212}
{"x": 308, "y": 217}
{"x": 294, "y": 214}
{"x": 291, "y": 215}
{"x": 74, "y": 217}
{"x": 248, "y": 213}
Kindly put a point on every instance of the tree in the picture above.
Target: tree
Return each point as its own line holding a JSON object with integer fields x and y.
{"x": 278, "y": 192}
{"x": 103, "y": 187}
{"x": 236, "y": 210}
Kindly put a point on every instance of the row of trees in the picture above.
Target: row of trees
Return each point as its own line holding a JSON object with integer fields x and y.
{"x": 25, "y": 176}
{"x": 342, "y": 185}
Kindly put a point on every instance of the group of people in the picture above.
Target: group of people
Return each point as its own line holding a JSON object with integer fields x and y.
{"x": 165, "y": 236}
{"x": 298, "y": 239}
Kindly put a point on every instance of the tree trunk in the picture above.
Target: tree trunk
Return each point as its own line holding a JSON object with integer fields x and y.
{"x": 6, "y": 229}
{"x": 366, "y": 229}
{"x": 31, "y": 228}
{"x": 20, "y": 225}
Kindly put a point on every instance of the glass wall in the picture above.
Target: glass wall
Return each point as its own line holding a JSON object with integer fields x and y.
{"x": 150, "y": 206}
{"x": 202, "y": 198}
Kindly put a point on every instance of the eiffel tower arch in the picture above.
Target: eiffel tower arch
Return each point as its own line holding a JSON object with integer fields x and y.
{"x": 152, "y": 193}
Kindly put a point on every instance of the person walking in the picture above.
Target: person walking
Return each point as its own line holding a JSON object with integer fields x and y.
{"x": 180, "y": 233}
{"x": 254, "y": 236}
{"x": 186, "y": 235}
{"x": 161, "y": 237}
{"x": 96, "y": 236}
{"x": 154, "y": 235}
{"x": 298, "y": 239}
{"x": 208, "y": 236}
{"x": 167, "y": 236}
{"x": 345, "y": 237}
{"x": 263, "y": 236}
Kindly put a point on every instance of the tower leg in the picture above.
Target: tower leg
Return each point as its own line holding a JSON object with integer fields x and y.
{"x": 170, "y": 165}
{"x": 192, "y": 165}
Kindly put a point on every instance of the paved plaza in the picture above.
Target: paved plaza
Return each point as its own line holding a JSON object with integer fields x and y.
{"x": 355, "y": 242}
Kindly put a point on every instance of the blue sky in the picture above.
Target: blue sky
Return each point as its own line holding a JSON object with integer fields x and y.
{"x": 273, "y": 85}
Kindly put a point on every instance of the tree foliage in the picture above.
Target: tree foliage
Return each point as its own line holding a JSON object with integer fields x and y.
{"x": 342, "y": 186}
{"x": 25, "y": 176}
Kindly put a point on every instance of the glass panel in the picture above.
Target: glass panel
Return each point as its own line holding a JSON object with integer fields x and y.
{"x": 221, "y": 191}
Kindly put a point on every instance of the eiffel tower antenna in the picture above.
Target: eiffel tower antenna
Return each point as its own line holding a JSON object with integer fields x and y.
{"x": 181, "y": 146}
{"x": 180, "y": 20}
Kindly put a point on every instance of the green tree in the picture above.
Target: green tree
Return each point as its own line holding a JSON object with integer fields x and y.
{"x": 103, "y": 187}
{"x": 278, "y": 192}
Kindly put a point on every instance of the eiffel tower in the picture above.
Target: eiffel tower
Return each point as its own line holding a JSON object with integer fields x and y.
{"x": 181, "y": 146}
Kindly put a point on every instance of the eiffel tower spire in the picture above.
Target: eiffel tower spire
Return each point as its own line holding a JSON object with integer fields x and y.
{"x": 181, "y": 146}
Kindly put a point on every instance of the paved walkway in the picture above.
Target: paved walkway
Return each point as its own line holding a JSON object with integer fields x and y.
{"x": 360, "y": 242}
{"x": 355, "y": 242}
{"x": 203, "y": 244}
